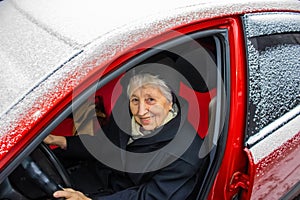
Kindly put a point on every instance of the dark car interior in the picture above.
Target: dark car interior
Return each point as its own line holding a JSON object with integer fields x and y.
{"x": 42, "y": 173}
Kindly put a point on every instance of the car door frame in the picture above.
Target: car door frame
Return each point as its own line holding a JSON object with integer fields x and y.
{"x": 235, "y": 157}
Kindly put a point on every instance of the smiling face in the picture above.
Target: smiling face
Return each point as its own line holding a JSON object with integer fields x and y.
{"x": 149, "y": 107}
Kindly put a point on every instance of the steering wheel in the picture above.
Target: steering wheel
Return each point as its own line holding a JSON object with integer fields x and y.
{"x": 40, "y": 175}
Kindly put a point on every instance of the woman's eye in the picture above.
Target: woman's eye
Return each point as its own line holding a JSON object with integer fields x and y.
{"x": 134, "y": 101}
{"x": 150, "y": 100}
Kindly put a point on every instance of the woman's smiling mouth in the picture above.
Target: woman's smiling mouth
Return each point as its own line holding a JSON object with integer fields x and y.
{"x": 146, "y": 120}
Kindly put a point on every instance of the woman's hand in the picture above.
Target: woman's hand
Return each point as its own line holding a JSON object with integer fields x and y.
{"x": 70, "y": 194}
{"x": 56, "y": 140}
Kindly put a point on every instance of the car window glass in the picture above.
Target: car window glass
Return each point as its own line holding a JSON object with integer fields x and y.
{"x": 274, "y": 71}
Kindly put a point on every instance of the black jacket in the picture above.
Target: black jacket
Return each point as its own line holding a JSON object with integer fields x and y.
{"x": 163, "y": 166}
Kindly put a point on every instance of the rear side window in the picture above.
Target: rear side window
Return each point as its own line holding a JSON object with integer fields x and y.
{"x": 273, "y": 42}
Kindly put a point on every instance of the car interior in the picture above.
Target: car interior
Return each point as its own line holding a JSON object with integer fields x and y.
{"x": 42, "y": 173}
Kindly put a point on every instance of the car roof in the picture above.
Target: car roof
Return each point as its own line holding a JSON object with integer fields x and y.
{"x": 40, "y": 40}
{"x": 78, "y": 22}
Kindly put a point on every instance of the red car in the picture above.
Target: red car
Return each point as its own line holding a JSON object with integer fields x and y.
{"x": 235, "y": 62}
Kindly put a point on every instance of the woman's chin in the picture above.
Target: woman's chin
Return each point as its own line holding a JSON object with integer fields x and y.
{"x": 148, "y": 127}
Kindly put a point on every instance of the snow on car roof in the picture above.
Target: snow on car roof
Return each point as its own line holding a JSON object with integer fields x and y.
{"x": 80, "y": 21}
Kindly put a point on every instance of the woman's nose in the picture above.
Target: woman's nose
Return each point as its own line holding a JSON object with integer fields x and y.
{"x": 143, "y": 108}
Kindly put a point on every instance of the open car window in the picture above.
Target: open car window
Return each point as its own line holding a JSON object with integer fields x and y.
{"x": 194, "y": 67}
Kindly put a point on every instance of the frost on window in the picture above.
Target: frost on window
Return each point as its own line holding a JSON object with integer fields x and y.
{"x": 274, "y": 70}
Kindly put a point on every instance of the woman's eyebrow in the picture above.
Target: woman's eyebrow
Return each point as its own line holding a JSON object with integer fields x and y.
{"x": 133, "y": 96}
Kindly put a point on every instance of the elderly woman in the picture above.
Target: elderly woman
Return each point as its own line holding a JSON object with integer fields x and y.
{"x": 158, "y": 125}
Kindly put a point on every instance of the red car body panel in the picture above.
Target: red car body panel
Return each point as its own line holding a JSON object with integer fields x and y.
{"x": 268, "y": 175}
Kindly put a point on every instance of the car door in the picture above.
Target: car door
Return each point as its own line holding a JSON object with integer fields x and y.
{"x": 273, "y": 121}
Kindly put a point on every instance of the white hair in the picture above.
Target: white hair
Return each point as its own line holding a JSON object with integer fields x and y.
{"x": 141, "y": 80}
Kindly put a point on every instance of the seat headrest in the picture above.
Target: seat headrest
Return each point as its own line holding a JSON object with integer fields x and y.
{"x": 160, "y": 65}
{"x": 199, "y": 69}
{"x": 194, "y": 69}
